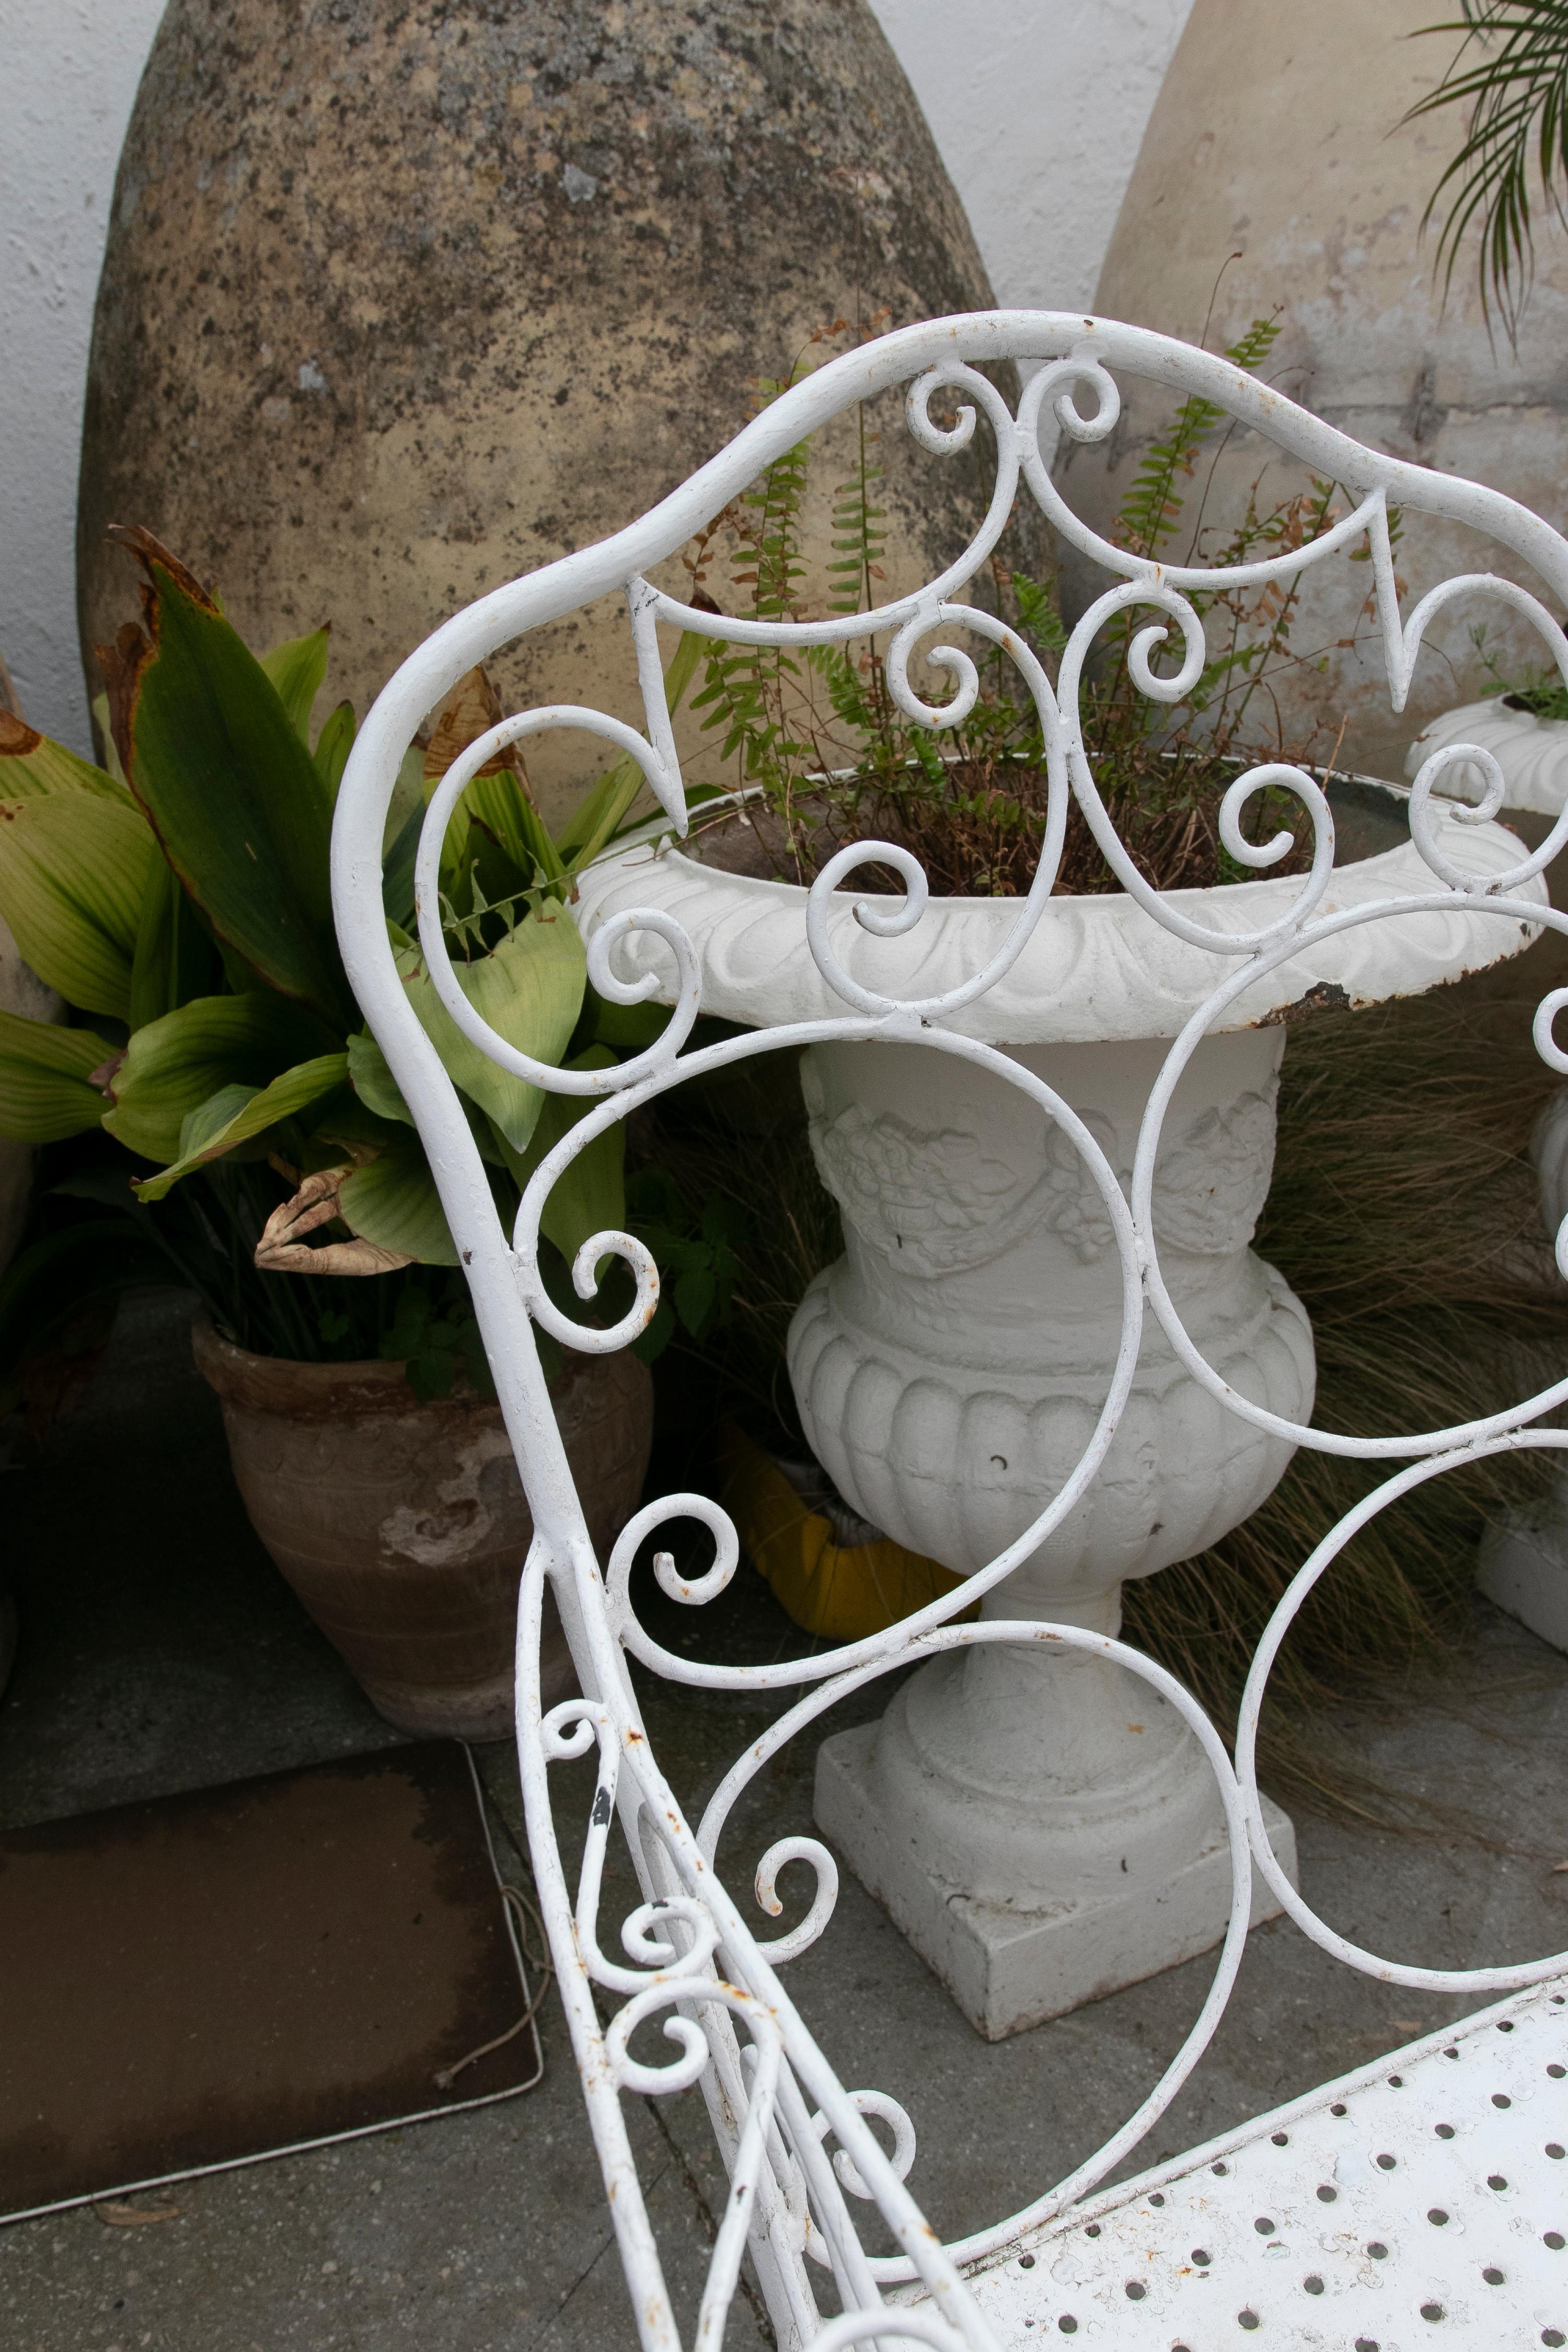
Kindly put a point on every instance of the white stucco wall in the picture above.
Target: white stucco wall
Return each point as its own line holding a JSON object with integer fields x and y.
{"x": 1038, "y": 106}
{"x": 68, "y": 70}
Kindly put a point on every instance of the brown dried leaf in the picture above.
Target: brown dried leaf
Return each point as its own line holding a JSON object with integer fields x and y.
{"x": 469, "y": 710}
{"x": 121, "y": 665}
{"x": 123, "y": 662}
{"x": 139, "y": 542}
{"x": 283, "y": 1248}
{"x": 17, "y": 739}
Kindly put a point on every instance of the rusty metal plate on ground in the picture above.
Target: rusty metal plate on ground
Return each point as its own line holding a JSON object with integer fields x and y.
{"x": 224, "y": 1974}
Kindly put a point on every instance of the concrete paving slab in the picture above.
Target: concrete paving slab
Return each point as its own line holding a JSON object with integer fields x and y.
{"x": 161, "y": 1651}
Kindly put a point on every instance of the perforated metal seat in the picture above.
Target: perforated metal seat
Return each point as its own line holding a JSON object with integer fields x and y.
{"x": 1426, "y": 2192}
{"x": 1419, "y": 2200}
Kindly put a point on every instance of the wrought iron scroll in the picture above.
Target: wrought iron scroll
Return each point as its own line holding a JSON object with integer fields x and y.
{"x": 691, "y": 1966}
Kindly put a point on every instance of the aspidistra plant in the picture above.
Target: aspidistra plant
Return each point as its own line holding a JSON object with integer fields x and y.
{"x": 177, "y": 900}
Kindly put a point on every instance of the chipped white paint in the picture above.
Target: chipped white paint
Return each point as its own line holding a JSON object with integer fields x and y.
{"x": 688, "y": 1958}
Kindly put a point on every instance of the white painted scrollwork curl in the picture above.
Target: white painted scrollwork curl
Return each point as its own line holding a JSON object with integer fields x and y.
{"x": 824, "y": 1895}
{"x": 1056, "y": 384}
{"x": 589, "y": 1338}
{"x": 952, "y": 659}
{"x": 634, "y": 1254}
{"x": 569, "y": 1729}
{"x": 693, "y": 1591}
{"x": 887, "y": 2110}
{"x": 886, "y": 920}
{"x": 1402, "y": 658}
{"x": 675, "y": 2073}
{"x": 444, "y": 800}
{"x": 1170, "y": 688}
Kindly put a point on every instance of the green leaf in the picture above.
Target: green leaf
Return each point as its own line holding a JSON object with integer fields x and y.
{"x": 393, "y": 1202}
{"x": 45, "y": 1073}
{"x": 30, "y": 763}
{"x": 407, "y": 794}
{"x": 589, "y": 1197}
{"x": 599, "y": 813}
{"x": 236, "y": 1112}
{"x": 628, "y": 1028}
{"x": 486, "y": 878}
{"x": 695, "y": 1291}
{"x": 370, "y": 1078}
{"x": 1039, "y": 612}
{"x": 234, "y": 795}
{"x": 175, "y": 1065}
{"x": 105, "y": 726}
{"x": 74, "y": 868}
{"x": 530, "y": 990}
{"x": 431, "y": 1375}
{"x": 501, "y": 802}
{"x": 397, "y": 869}
{"x": 298, "y": 669}
{"x": 198, "y": 1127}
{"x": 174, "y": 959}
{"x": 333, "y": 744}
{"x": 405, "y": 822}
{"x": 344, "y": 1119}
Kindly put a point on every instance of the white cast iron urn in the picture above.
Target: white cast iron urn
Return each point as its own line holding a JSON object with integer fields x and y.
{"x": 1530, "y": 753}
{"x": 1040, "y": 1826}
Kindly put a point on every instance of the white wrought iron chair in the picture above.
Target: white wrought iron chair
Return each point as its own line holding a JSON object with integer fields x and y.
{"x": 1188, "y": 2254}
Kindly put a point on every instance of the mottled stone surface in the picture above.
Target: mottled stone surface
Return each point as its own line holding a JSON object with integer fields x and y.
{"x": 401, "y": 301}
{"x": 1277, "y": 175}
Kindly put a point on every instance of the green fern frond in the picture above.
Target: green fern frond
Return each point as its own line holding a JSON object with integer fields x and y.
{"x": 1152, "y": 508}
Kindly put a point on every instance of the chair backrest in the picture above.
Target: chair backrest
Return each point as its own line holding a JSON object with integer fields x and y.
{"x": 693, "y": 1960}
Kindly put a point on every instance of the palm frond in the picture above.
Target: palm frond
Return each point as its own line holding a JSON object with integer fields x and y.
{"x": 1511, "y": 71}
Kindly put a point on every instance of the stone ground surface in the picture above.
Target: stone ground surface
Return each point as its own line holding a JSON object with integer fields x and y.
{"x": 161, "y": 1652}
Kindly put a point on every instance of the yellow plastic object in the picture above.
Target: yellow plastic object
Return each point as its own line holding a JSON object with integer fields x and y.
{"x": 839, "y": 1592}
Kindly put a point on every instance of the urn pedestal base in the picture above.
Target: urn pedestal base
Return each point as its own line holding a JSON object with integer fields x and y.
{"x": 1041, "y": 1826}
{"x": 1524, "y": 1567}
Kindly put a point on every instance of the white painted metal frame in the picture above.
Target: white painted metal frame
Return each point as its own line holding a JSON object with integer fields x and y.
{"x": 692, "y": 1958}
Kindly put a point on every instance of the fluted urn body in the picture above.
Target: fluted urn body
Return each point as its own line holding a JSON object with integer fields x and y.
{"x": 950, "y": 1368}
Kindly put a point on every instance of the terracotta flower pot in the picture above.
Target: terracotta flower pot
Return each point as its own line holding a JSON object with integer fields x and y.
{"x": 403, "y": 1526}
